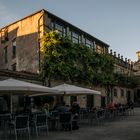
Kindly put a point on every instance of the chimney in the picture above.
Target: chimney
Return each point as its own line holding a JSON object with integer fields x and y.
{"x": 110, "y": 51}
{"x": 119, "y": 56}
{"x": 125, "y": 59}
{"x": 115, "y": 54}
{"x": 138, "y": 53}
{"x": 129, "y": 61}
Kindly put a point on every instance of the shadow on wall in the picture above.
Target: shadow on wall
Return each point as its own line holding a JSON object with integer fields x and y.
{"x": 19, "y": 53}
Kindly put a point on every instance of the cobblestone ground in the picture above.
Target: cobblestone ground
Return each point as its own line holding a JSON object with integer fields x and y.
{"x": 126, "y": 129}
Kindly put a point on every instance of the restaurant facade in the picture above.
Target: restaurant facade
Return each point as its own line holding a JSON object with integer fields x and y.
{"x": 20, "y": 43}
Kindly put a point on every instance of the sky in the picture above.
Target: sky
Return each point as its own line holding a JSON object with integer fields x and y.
{"x": 115, "y": 22}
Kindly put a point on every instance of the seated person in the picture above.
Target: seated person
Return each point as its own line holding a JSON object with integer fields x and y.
{"x": 111, "y": 106}
{"x": 63, "y": 108}
{"x": 46, "y": 109}
{"x": 34, "y": 109}
{"x": 75, "y": 108}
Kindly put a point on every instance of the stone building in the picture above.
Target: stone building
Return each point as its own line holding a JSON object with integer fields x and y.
{"x": 136, "y": 70}
{"x": 20, "y": 44}
{"x": 123, "y": 66}
{"x": 20, "y": 41}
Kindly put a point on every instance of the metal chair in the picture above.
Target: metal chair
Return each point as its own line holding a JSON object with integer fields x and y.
{"x": 4, "y": 122}
{"x": 41, "y": 121}
{"x": 100, "y": 116}
{"x": 84, "y": 115}
{"x": 21, "y": 125}
{"x": 65, "y": 120}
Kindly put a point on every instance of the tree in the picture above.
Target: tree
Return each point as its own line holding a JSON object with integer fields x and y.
{"x": 50, "y": 54}
{"x": 65, "y": 60}
{"x": 68, "y": 61}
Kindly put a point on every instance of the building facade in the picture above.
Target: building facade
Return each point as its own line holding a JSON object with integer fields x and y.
{"x": 136, "y": 70}
{"x": 20, "y": 44}
{"x": 20, "y": 41}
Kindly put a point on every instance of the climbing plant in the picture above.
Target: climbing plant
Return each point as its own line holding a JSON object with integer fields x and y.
{"x": 68, "y": 61}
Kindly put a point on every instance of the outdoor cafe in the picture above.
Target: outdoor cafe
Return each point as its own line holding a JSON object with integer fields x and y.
{"x": 33, "y": 118}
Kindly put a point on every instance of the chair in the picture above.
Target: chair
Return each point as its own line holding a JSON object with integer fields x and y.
{"x": 100, "y": 116}
{"x": 4, "y": 121}
{"x": 21, "y": 125}
{"x": 41, "y": 122}
{"x": 120, "y": 112}
{"x": 54, "y": 120}
{"x": 65, "y": 120}
{"x": 84, "y": 115}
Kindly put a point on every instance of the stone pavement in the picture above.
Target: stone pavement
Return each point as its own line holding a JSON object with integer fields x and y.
{"x": 126, "y": 129}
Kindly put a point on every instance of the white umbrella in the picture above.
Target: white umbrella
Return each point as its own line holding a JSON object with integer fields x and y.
{"x": 21, "y": 87}
{"x": 75, "y": 90}
{"x": 12, "y": 86}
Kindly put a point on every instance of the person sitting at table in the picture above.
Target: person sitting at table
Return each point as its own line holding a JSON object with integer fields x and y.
{"x": 46, "y": 109}
{"x": 75, "y": 109}
{"x": 27, "y": 109}
{"x": 34, "y": 109}
{"x": 63, "y": 108}
{"x": 111, "y": 105}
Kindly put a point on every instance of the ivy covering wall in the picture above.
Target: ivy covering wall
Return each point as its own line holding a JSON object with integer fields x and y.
{"x": 67, "y": 61}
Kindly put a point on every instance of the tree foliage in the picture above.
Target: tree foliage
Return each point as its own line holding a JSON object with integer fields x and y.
{"x": 67, "y": 61}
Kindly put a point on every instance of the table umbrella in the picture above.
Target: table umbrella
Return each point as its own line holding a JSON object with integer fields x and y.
{"x": 17, "y": 87}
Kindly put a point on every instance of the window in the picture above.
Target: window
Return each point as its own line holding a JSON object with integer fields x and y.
{"x": 88, "y": 43}
{"x": 4, "y": 35}
{"x": 115, "y": 92}
{"x": 122, "y": 93}
{"x": 128, "y": 95}
{"x": 60, "y": 28}
{"x": 75, "y": 37}
{"x": 99, "y": 49}
{"x": 14, "y": 67}
{"x": 5, "y": 55}
{"x": 14, "y": 48}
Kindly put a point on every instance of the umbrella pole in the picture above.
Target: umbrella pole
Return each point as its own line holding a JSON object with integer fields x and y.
{"x": 11, "y": 103}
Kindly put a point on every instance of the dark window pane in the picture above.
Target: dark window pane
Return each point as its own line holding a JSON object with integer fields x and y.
{"x": 115, "y": 92}
{"x": 122, "y": 93}
{"x": 14, "y": 48}
{"x": 88, "y": 43}
{"x": 75, "y": 37}
{"x": 5, "y": 55}
{"x": 61, "y": 29}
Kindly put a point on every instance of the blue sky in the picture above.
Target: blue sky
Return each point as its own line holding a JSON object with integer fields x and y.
{"x": 116, "y": 22}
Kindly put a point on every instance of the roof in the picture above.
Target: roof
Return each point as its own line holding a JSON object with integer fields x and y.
{"x": 22, "y": 18}
{"x": 137, "y": 62}
{"x": 58, "y": 18}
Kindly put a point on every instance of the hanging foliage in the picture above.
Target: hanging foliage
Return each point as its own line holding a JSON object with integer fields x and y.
{"x": 67, "y": 61}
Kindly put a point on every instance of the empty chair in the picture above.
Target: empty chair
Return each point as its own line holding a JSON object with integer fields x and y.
{"x": 65, "y": 120}
{"x": 84, "y": 115}
{"x": 100, "y": 114}
{"x": 41, "y": 121}
{"x": 21, "y": 125}
{"x": 4, "y": 122}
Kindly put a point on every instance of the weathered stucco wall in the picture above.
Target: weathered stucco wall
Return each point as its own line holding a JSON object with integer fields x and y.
{"x": 25, "y": 32}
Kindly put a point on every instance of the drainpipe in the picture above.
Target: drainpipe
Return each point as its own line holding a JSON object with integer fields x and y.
{"x": 39, "y": 38}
